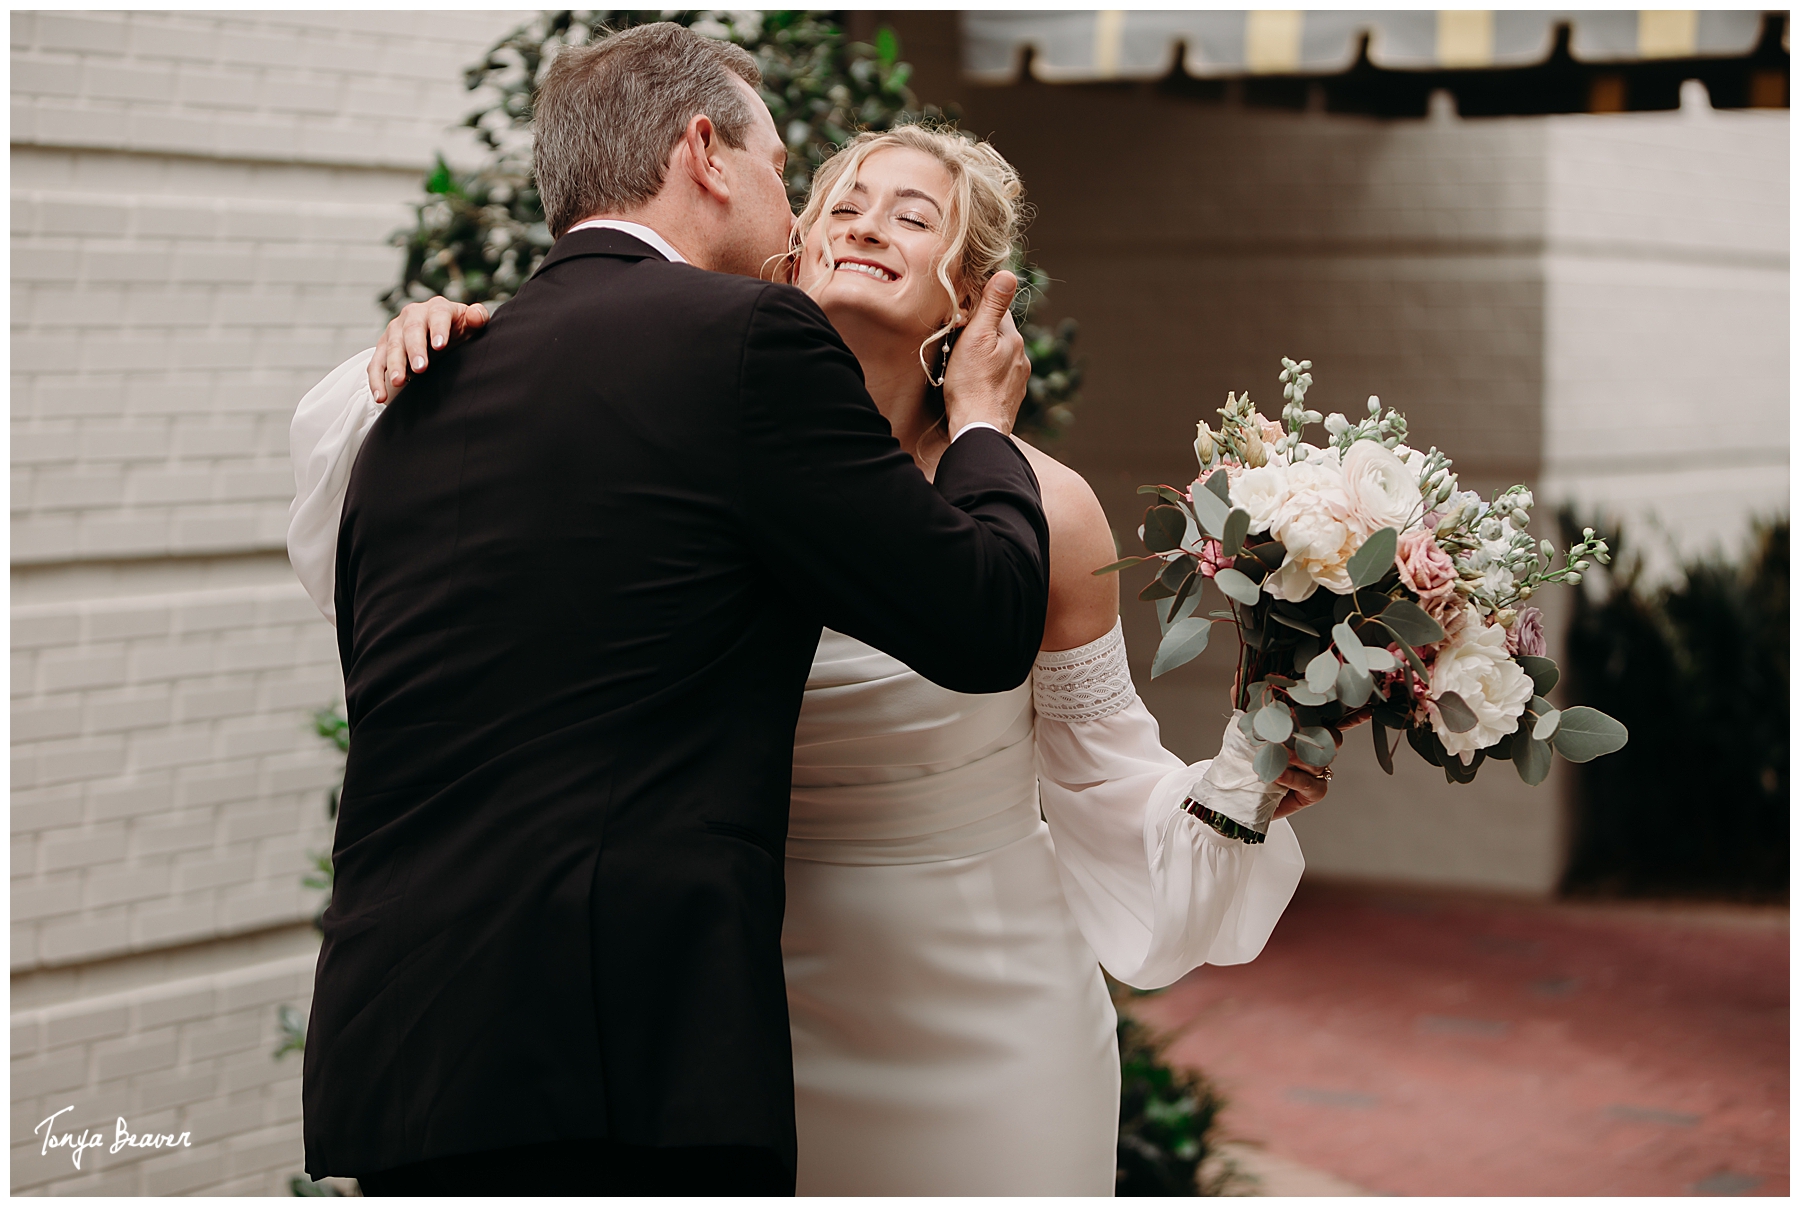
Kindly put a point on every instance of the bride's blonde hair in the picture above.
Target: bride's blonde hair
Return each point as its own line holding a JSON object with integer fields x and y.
{"x": 987, "y": 211}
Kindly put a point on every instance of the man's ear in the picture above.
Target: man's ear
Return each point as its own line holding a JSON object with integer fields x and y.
{"x": 697, "y": 155}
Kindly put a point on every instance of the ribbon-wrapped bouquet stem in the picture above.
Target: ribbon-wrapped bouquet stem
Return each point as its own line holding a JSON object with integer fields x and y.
{"x": 1363, "y": 584}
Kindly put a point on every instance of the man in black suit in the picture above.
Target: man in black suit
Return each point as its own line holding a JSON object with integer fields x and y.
{"x": 582, "y": 569}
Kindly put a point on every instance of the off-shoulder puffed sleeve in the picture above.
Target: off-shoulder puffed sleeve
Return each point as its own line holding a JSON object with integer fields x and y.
{"x": 1155, "y": 891}
{"x": 327, "y": 432}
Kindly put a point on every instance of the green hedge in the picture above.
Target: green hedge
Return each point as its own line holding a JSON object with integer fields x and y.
{"x": 1697, "y": 669}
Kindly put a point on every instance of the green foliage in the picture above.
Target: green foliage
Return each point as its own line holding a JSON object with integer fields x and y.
{"x": 293, "y": 1031}
{"x": 1167, "y": 1119}
{"x": 305, "y": 1187}
{"x": 480, "y": 235}
{"x": 1697, "y": 669}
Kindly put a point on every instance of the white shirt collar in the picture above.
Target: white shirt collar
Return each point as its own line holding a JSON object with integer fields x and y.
{"x": 636, "y": 230}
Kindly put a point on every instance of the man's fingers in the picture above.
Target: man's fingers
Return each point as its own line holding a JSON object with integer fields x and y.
{"x": 414, "y": 335}
{"x": 475, "y": 318}
{"x": 996, "y": 301}
{"x": 438, "y": 320}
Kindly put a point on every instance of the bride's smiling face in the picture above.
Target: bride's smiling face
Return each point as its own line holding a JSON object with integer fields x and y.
{"x": 885, "y": 235}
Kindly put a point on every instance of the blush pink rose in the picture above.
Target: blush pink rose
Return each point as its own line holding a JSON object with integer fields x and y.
{"x": 1426, "y": 569}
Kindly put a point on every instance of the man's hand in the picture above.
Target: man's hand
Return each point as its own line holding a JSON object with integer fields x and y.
{"x": 988, "y": 370}
{"x": 437, "y": 322}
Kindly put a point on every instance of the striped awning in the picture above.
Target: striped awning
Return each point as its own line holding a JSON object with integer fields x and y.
{"x": 1110, "y": 44}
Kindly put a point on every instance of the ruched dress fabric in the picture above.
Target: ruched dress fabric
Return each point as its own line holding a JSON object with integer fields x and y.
{"x": 959, "y": 868}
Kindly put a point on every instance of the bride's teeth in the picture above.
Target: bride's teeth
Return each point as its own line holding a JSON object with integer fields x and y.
{"x": 868, "y": 270}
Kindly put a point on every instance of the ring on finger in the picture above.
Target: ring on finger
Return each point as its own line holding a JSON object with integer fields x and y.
{"x": 1325, "y": 773}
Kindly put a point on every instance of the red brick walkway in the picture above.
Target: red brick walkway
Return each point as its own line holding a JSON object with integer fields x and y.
{"x": 1420, "y": 1044}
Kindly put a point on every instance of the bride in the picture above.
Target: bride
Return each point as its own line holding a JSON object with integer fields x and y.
{"x": 959, "y": 868}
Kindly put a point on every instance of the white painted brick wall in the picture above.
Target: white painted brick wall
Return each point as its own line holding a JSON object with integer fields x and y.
{"x": 166, "y": 785}
{"x": 368, "y": 88}
{"x": 192, "y": 1054}
{"x": 201, "y": 202}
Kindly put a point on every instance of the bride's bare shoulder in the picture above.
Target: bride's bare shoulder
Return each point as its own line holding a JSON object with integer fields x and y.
{"x": 1082, "y": 607}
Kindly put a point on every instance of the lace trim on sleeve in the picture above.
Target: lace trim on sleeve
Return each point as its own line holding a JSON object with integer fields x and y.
{"x": 1088, "y": 683}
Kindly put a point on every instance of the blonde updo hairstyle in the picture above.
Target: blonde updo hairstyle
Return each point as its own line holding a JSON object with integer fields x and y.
{"x": 986, "y": 217}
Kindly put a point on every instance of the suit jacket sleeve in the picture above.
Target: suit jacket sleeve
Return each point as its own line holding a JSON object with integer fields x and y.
{"x": 951, "y": 579}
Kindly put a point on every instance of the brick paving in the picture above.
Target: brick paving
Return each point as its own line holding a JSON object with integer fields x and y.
{"x": 1418, "y": 1043}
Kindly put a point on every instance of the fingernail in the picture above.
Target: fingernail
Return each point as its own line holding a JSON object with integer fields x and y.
{"x": 418, "y": 363}
{"x": 437, "y": 341}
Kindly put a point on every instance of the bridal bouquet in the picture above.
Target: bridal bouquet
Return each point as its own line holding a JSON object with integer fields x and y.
{"x": 1363, "y": 584}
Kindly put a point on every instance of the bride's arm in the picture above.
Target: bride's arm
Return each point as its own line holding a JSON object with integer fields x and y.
{"x": 331, "y": 421}
{"x": 328, "y": 429}
{"x": 1156, "y": 891}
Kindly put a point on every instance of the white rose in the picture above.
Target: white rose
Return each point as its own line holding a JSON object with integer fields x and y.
{"x": 1261, "y": 492}
{"x": 1478, "y": 668}
{"x": 1383, "y": 493}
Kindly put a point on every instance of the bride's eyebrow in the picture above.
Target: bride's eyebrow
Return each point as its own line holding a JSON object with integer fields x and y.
{"x": 921, "y": 195}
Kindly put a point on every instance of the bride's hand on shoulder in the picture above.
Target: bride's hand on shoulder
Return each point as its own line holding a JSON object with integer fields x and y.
{"x": 412, "y": 335}
{"x": 1083, "y": 608}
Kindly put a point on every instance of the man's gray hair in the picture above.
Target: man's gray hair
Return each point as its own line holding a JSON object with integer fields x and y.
{"x": 609, "y": 113}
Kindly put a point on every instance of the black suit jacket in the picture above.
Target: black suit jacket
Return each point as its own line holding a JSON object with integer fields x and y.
{"x": 582, "y": 570}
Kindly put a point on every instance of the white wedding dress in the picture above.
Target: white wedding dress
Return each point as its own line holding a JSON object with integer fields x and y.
{"x": 959, "y": 869}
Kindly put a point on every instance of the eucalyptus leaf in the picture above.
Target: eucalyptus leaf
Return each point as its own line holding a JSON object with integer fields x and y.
{"x": 1156, "y": 590}
{"x": 1353, "y": 686}
{"x": 1321, "y": 672}
{"x": 1122, "y": 564}
{"x": 1274, "y": 723}
{"x": 1410, "y": 623}
{"x": 1383, "y": 755}
{"x": 1270, "y": 761}
{"x": 1586, "y": 733}
{"x": 1164, "y": 526}
{"x": 1246, "y": 722}
{"x": 1425, "y": 744}
{"x": 1166, "y": 492}
{"x": 1180, "y": 645}
{"x": 1458, "y": 716}
{"x": 1237, "y": 527}
{"x": 1166, "y": 614}
{"x": 1380, "y": 659}
{"x": 1350, "y": 646}
{"x": 1220, "y": 484}
{"x": 1314, "y": 746}
{"x": 1459, "y": 772}
{"x": 1210, "y": 512}
{"x": 1299, "y": 626}
{"x": 1370, "y": 564}
{"x": 1269, "y": 554}
{"x": 1188, "y": 592}
{"x": 1532, "y": 758}
{"x": 1543, "y": 671}
{"x": 1546, "y": 725}
{"x": 1237, "y": 587}
{"x": 1303, "y": 694}
{"x": 1412, "y": 656}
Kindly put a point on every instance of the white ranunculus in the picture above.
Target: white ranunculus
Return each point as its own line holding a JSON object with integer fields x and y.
{"x": 1261, "y": 492}
{"x": 1478, "y": 668}
{"x": 1383, "y": 493}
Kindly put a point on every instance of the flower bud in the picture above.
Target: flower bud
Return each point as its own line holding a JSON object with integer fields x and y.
{"x": 1574, "y": 577}
{"x": 1204, "y": 448}
{"x": 1547, "y": 548}
{"x": 1587, "y": 534}
{"x": 1581, "y": 566}
{"x": 1525, "y": 592}
{"x": 1336, "y": 425}
{"x": 1255, "y": 455}
{"x": 1521, "y": 518}
{"x": 1374, "y": 405}
{"x": 1505, "y": 617}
